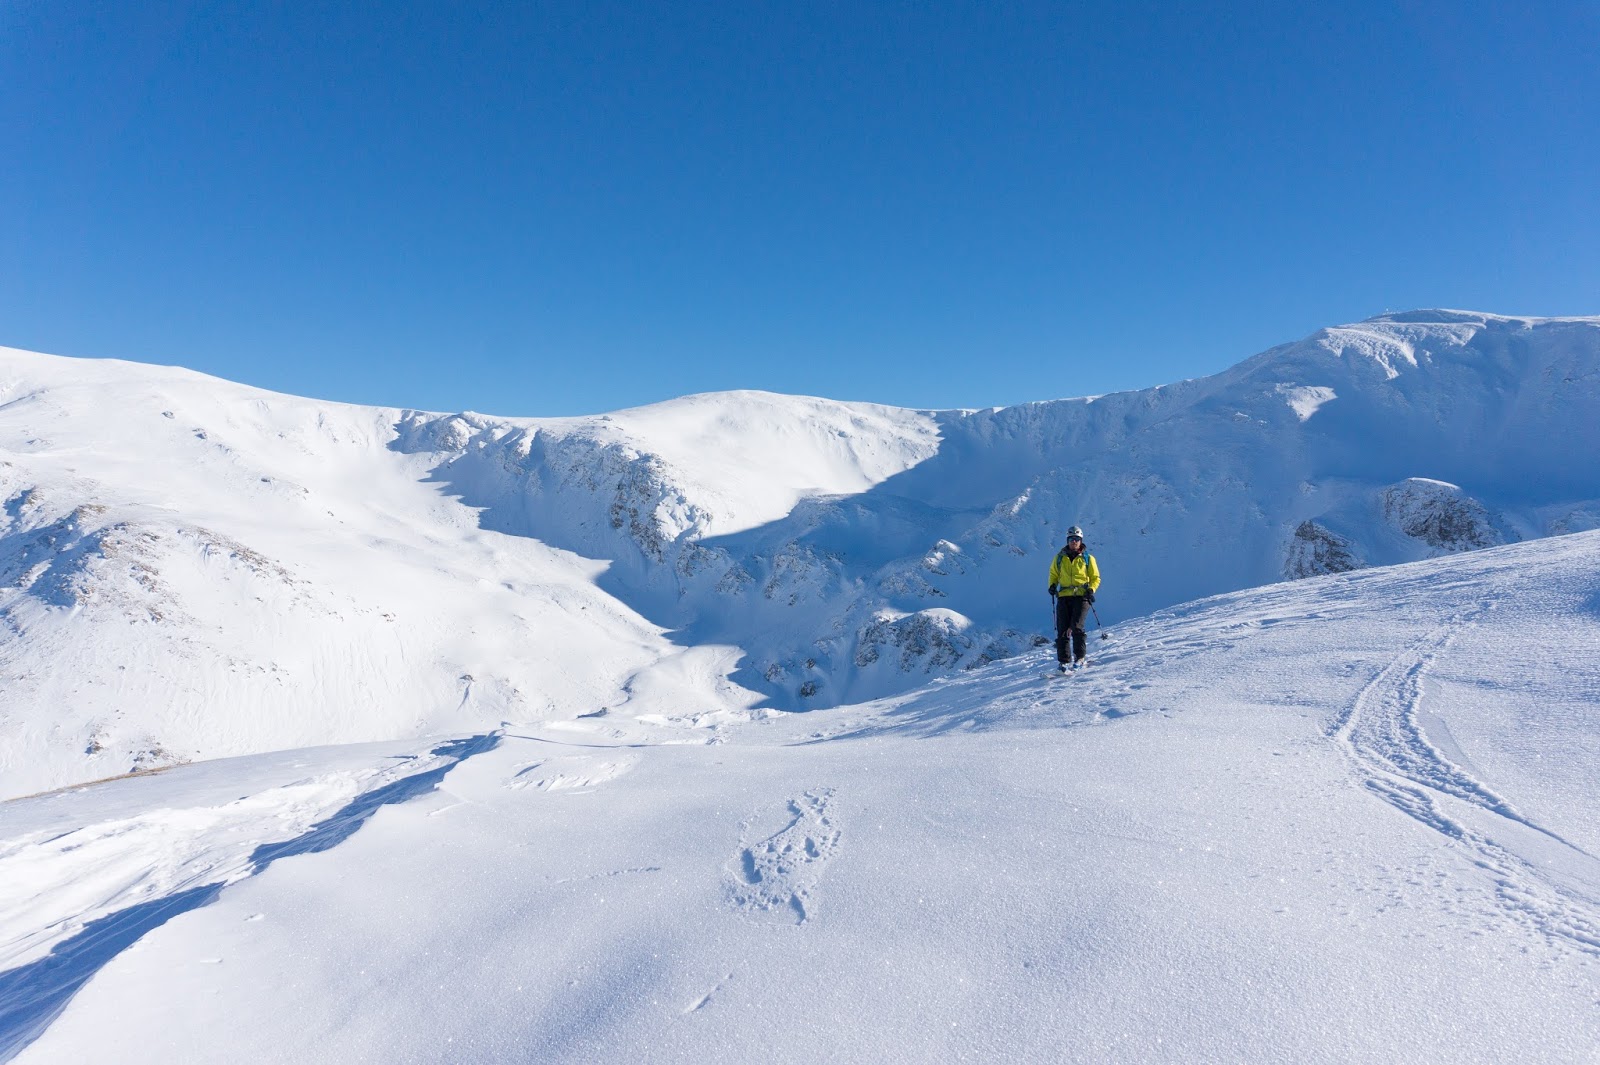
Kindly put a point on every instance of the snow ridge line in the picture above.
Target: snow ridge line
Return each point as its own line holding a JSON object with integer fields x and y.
{"x": 1383, "y": 739}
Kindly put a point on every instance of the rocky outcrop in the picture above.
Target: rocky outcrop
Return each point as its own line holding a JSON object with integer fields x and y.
{"x": 1439, "y": 515}
{"x": 81, "y": 559}
{"x": 1314, "y": 551}
{"x": 925, "y": 640}
{"x": 578, "y": 488}
{"x": 797, "y": 573}
{"x": 933, "y": 640}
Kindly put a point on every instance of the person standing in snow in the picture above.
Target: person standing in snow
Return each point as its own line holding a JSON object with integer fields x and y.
{"x": 1074, "y": 577}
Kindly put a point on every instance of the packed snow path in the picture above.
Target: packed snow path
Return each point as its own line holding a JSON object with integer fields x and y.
{"x": 1349, "y": 819}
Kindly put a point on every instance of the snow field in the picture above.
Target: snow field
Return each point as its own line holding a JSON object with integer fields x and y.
{"x": 1312, "y": 822}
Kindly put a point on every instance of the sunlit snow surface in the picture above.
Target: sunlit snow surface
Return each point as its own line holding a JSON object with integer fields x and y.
{"x": 1353, "y": 818}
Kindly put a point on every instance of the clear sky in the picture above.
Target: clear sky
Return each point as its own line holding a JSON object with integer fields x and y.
{"x": 560, "y": 208}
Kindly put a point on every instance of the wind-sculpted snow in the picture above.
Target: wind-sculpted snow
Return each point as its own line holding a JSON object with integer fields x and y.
{"x": 116, "y": 896}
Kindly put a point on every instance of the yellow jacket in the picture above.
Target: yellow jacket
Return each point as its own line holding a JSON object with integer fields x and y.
{"x": 1073, "y": 576}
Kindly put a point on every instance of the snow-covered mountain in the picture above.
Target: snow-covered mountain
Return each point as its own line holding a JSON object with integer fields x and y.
{"x": 193, "y": 568}
{"x": 1392, "y": 440}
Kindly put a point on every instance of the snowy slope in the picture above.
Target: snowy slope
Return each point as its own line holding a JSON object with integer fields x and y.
{"x": 1345, "y": 819}
{"x": 194, "y": 569}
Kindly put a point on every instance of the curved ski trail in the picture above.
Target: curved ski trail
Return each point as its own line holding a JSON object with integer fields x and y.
{"x": 1384, "y": 739}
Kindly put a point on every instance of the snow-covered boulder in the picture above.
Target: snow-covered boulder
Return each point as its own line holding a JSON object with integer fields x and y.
{"x": 931, "y": 641}
{"x": 922, "y": 641}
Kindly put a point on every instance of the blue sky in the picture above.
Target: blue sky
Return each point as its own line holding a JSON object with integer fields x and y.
{"x": 553, "y": 208}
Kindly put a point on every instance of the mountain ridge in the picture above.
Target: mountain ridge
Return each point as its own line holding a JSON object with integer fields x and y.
{"x": 292, "y": 571}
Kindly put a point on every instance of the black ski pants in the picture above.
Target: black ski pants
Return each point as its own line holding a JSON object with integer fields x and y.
{"x": 1071, "y": 610}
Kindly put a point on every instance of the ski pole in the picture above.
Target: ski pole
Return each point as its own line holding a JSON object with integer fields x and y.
{"x": 1097, "y": 626}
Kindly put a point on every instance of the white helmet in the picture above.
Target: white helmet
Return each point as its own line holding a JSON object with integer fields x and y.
{"x": 1074, "y": 532}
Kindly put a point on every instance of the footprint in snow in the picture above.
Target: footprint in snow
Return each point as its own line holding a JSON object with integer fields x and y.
{"x": 774, "y": 876}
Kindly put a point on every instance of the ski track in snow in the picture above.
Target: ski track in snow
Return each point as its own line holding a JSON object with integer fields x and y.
{"x": 1385, "y": 741}
{"x": 773, "y": 877}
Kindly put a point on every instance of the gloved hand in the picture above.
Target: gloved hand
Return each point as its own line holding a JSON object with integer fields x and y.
{"x": 1088, "y": 594}
{"x": 1052, "y": 591}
